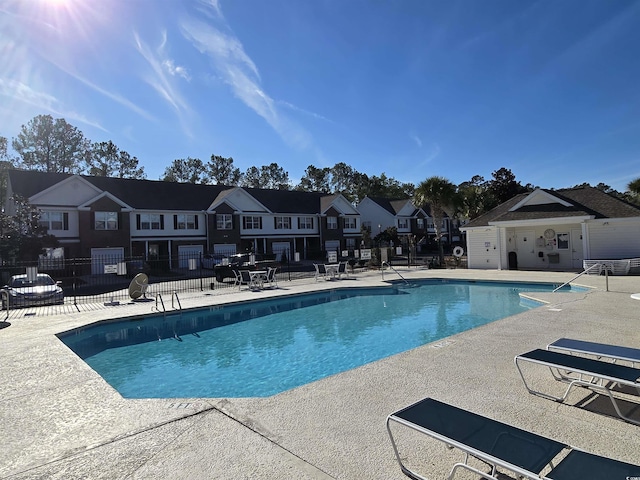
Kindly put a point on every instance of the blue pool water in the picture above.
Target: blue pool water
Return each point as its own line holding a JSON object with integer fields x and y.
{"x": 261, "y": 348}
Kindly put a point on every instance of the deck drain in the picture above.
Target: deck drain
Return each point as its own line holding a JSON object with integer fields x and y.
{"x": 446, "y": 343}
{"x": 177, "y": 405}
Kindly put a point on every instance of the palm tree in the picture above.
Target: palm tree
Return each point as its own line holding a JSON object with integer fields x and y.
{"x": 440, "y": 194}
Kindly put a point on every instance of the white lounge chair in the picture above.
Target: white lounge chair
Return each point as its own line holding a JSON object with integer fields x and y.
{"x": 577, "y": 371}
{"x": 615, "y": 353}
{"x": 500, "y": 445}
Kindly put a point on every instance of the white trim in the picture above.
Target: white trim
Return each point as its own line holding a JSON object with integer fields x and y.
{"x": 87, "y": 205}
{"x": 539, "y": 221}
{"x": 539, "y": 193}
{"x": 34, "y": 199}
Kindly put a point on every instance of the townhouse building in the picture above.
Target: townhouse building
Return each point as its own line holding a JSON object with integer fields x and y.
{"x": 108, "y": 219}
{"x": 377, "y": 214}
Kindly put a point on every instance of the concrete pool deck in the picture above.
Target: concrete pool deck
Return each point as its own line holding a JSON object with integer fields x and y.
{"x": 60, "y": 420}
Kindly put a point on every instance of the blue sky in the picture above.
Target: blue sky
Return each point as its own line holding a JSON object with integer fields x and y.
{"x": 411, "y": 88}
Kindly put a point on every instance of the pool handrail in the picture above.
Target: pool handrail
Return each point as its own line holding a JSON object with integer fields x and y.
{"x": 391, "y": 267}
{"x": 606, "y": 274}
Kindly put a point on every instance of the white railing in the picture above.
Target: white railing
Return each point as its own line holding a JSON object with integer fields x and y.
{"x": 606, "y": 274}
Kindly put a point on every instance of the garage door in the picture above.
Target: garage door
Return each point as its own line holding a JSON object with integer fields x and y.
{"x": 189, "y": 252}
{"x": 109, "y": 257}
{"x": 226, "y": 249}
{"x": 280, "y": 248}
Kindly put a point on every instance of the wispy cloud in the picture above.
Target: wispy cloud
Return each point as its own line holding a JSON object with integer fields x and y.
{"x": 238, "y": 70}
{"x": 416, "y": 139}
{"x": 21, "y": 92}
{"x": 303, "y": 111}
{"x": 160, "y": 81}
{"x": 174, "y": 70}
{"x": 432, "y": 154}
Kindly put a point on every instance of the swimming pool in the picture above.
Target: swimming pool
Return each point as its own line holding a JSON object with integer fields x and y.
{"x": 260, "y": 348}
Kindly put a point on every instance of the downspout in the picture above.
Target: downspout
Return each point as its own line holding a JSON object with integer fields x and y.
{"x": 586, "y": 244}
{"x": 501, "y": 231}
{"x": 206, "y": 230}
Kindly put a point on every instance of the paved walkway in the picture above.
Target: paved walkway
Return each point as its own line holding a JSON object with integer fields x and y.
{"x": 60, "y": 420}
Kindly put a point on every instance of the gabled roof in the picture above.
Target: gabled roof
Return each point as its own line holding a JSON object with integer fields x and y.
{"x": 287, "y": 201}
{"x": 585, "y": 202}
{"x": 395, "y": 206}
{"x": 139, "y": 194}
{"x": 159, "y": 195}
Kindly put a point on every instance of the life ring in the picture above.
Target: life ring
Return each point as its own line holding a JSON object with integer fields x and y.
{"x": 458, "y": 251}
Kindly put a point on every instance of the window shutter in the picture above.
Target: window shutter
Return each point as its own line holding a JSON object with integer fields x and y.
{"x": 92, "y": 220}
{"x": 65, "y": 221}
{"x": 161, "y": 222}
{"x": 196, "y": 221}
{"x": 298, "y": 223}
{"x": 275, "y": 222}
{"x": 175, "y": 222}
{"x": 260, "y": 222}
{"x": 138, "y": 221}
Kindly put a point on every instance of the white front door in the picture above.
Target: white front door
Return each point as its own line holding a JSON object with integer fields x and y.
{"x": 577, "y": 251}
{"x": 526, "y": 249}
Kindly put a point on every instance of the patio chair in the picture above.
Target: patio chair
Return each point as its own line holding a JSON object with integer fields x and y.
{"x": 342, "y": 270}
{"x": 238, "y": 279}
{"x": 248, "y": 280}
{"x": 595, "y": 375}
{"x": 321, "y": 270}
{"x": 271, "y": 278}
{"x": 499, "y": 445}
{"x": 614, "y": 353}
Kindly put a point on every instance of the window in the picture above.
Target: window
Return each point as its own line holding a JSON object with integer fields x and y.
{"x": 106, "y": 220}
{"x": 367, "y": 226}
{"x": 150, "y": 221}
{"x": 305, "y": 223}
{"x": 351, "y": 243}
{"x": 563, "y": 241}
{"x": 282, "y": 223}
{"x": 54, "y": 220}
{"x": 185, "y": 222}
{"x": 224, "y": 221}
{"x": 420, "y": 223}
{"x": 350, "y": 222}
{"x": 403, "y": 223}
{"x": 251, "y": 223}
{"x": 332, "y": 223}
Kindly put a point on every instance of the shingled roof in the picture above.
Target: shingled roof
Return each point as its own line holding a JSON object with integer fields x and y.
{"x": 583, "y": 201}
{"x": 160, "y": 195}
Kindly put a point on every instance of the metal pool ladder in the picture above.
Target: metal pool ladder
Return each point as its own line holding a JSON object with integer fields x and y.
{"x": 391, "y": 267}
{"x": 160, "y": 301}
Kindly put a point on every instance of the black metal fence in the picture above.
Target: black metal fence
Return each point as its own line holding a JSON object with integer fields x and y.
{"x": 107, "y": 279}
